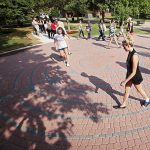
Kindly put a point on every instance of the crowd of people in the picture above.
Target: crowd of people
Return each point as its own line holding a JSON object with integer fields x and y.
{"x": 50, "y": 25}
{"x": 56, "y": 30}
{"x": 112, "y": 30}
{"x": 47, "y": 25}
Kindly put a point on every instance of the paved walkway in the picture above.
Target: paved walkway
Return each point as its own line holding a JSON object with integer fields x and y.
{"x": 145, "y": 26}
{"x": 46, "y": 106}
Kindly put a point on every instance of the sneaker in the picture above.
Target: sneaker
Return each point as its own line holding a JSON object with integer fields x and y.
{"x": 67, "y": 64}
{"x": 146, "y": 104}
{"x": 65, "y": 61}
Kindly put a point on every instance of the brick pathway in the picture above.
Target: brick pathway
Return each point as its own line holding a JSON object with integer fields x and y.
{"x": 46, "y": 106}
{"x": 145, "y": 26}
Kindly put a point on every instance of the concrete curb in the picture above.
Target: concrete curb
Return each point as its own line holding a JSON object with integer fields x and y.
{"x": 20, "y": 49}
{"x": 24, "y": 48}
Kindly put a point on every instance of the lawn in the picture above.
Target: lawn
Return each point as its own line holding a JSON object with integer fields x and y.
{"x": 15, "y": 38}
{"x": 11, "y": 39}
{"x": 95, "y": 30}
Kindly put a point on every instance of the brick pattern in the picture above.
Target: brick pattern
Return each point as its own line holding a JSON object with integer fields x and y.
{"x": 44, "y": 105}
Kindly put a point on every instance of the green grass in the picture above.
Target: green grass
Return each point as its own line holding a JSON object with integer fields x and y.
{"x": 16, "y": 38}
{"x": 11, "y": 39}
{"x": 95, "y": 30}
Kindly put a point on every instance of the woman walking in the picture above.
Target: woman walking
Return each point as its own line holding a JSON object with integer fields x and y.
{"x": 35, "y": 25}
{"x": 121, "y": 32}
{"x": 130, "y": 26}
{"x": 88, "y": 29}
{"x": 81, "y": 29}
{"x": 130, "y": 31}
{"x": 61, "y": 45}
{"x": 133, "y": 74}
{"x": 102, "y": 29}
{"x": 112, "y": 34}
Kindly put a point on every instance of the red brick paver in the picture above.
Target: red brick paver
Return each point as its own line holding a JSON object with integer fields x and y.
{"x": 44, "y": 105}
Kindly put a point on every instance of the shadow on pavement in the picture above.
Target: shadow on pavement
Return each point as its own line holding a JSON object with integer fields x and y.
{"x": 99, "y": 44}
{"x": 143, "y": 36}
{"x": 144, "y": 54}
{"x": 55, "y": 57}
{"x": 101, "y": 84}
{"x": 106, "y": 87}
{"x": 137, "y": 46}
{"x": 36, "y": 98}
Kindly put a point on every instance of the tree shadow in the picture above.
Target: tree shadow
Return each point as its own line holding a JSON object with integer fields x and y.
{"x": 143, "y": 36}
{"x": 36, "y": 97}
{"x": 98, "y": 44}
{"x": 144, "y": 54}
{"x": 143, "y": 70}
{"x": 141, "y": 47}
{"x": 56, "y": 57}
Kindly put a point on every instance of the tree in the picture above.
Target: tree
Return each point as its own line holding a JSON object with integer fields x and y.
{"x": 15, "y": 11}
{"x": 125, "y": 8}
{"x": 77, "y": 7}
{"x": 122, "y": 9}
{"x": 99, "y": 5}
{"x": 144, "y": 7}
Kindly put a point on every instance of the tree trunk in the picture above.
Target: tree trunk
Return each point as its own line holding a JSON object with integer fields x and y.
{"x": 103, "y": 15}
{"x": 78, "y": 18}
{"x": 68, "y": 24}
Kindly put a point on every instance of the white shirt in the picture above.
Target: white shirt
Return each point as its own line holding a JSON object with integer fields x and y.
{"x": 35, "y": 24}
{"x": 60, "y": 41}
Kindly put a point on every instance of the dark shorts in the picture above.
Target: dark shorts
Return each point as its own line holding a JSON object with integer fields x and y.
{"x": 136, "y": 80}
{"x": 62, "y": 49}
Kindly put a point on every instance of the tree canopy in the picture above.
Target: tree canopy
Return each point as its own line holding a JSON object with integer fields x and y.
{"x": 21, "y": 10}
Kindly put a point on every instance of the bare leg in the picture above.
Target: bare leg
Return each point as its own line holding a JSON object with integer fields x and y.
{"x": 115, "y": 38}
{"x": 141, "y": 91}
{"x": 124, "y": 36}
{"x": 69, "y": 53}
{"x": 67, "y": 57}
{"x": 62, "y": 54}
{"x": 127, "y": 93}
{"x": 111, "y": 38}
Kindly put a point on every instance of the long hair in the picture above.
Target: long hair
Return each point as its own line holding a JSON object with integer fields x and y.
{"x": 63, "y": 32}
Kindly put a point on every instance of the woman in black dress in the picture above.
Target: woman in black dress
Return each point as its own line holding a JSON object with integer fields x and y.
{"x": 133, "y": 74}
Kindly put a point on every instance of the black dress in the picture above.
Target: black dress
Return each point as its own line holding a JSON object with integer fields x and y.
{"x": 137, "y": 79}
